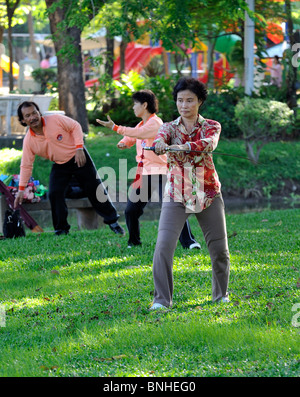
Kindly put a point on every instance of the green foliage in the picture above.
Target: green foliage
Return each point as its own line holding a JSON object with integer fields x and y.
{"x": 122, "y": 112}
{"x": 242, "y": 178}
{"x": 76, "y": 305}
{"x": 101, "y": 94}
{"x": 10, "y": 160}
{"x": 263, "y": 118}
{"x": 77, "y": 13}
{"x": 45, "y": 77}
{"x": 272, "y": 92}
{"x": 69, "y": 18}
{"x": 162, "y": 86}
{"x": 114, "y": 97}
{"x": 262, "y": 121}
{"x": 128, "y": 84}
{"x": 236, "y": 59}
{"x": 220, "y": 107}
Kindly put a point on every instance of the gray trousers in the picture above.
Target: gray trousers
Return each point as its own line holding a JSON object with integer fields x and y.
{"x": 213, "y": 225}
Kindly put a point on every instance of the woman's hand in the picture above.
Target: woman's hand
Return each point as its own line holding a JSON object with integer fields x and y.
{"x": 122, "y": 146}
{"x": 184, "y": 147}
{"x": 107, "y": 124}
{"x": 161, "y": 147}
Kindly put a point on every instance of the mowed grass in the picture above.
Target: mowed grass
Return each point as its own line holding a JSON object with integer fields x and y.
{"x": 77, "y": 305}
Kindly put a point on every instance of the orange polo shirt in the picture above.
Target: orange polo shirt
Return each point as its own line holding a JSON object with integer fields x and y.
{"x": 62, "y": 136}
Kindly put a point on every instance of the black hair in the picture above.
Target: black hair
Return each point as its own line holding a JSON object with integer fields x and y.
{"x": 26, "y": 104}
{"x": 191, "y": 84}
{"x": 148, "y": 96}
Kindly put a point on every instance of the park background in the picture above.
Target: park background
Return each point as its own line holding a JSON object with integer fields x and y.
{"x": 77, "y": 306}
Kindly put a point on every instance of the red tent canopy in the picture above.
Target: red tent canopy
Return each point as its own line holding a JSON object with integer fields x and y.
{"x": 136, "y": 58}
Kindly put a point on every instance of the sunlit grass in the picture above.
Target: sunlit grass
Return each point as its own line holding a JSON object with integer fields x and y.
{"x": 8, "y": 155}
{"x": 77, "y": 305}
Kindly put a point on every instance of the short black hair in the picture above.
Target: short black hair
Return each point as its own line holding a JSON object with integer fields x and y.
{"x": 148, "y": 96}
{"x": 191, "y": 84}
{"x": 26, "y": 104}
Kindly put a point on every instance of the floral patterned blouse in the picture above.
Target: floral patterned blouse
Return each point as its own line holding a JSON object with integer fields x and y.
{"x": 192, "y": 177}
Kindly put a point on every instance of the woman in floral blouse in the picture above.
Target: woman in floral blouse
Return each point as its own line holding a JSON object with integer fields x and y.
{"x": 153, "y": 168}
{"x": 192, "y": 187}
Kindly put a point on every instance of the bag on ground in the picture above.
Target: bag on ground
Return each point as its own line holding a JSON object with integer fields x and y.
{"x": 13, "y": 224}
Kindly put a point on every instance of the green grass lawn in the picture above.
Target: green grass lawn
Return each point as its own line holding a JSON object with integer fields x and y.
{"x": 77, "y": 305}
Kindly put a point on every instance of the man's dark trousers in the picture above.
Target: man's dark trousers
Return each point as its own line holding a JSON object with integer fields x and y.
{"x": 90, "y": 183}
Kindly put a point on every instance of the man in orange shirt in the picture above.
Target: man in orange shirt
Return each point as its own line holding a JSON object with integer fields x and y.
{"x": 59, "y": 139}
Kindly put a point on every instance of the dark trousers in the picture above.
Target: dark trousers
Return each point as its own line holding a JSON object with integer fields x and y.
{"x": 139, "y": 198}
{"x": 90, "y": 183}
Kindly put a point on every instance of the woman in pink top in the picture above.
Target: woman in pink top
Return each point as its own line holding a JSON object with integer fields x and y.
{"x": 276, "y": 72}
{"x": 153, "y": 167}
{"x": 45, "y": 63}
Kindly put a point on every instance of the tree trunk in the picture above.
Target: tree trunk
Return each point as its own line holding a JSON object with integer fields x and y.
{"x": 10, "y": 51}
{"x": 69, "y": 68}
{"x": 177, "y": 58}
{"x": 10, "y": 13}
{"x": 1, "y": 33}
{"x": 291, "y": 82}
{"x": 123, "y": 46}
{"x": 109, "y": 64}
{"x": 33, "y": 50}
{"x": 166, "y": 62}
{"x": 210, "y": 61}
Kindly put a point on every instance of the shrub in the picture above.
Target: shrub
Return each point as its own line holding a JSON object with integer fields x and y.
{"x": 272, "y": 92}
{"x": 262, "y": 121}
{"x": 162, "y": 86}
{"x": 220, "y": 107}
{"x": 114, "y": 97}
{"x": 44, "y": 77}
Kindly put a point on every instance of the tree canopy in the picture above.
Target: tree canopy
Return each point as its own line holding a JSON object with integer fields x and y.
{"x": 177, "y": 24}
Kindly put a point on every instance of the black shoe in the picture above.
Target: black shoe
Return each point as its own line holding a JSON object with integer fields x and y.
{"x": 60, "y": 232}
{"x": 130, "y": 245}
{"x": 116, "y": 228}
